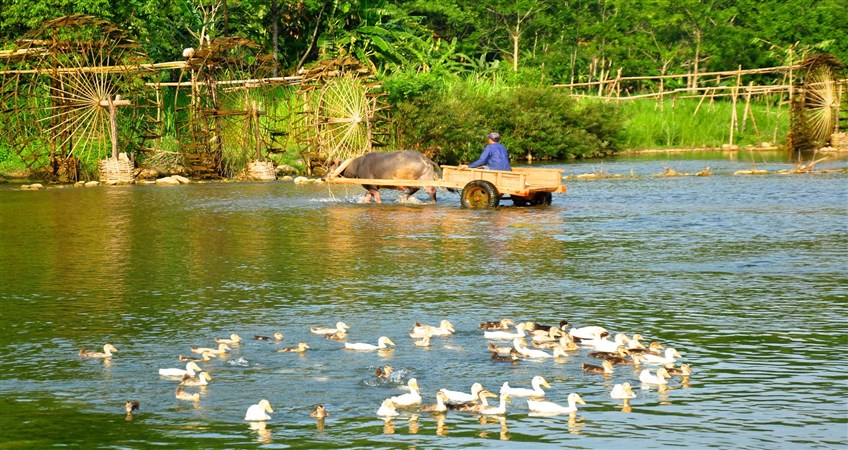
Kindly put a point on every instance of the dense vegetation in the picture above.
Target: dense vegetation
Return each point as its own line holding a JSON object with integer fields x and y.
{"x": 554, "y": 41}
{"x": 454, "y": 70}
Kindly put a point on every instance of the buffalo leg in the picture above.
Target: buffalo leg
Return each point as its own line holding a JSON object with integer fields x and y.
{"x": 432, "y": 191}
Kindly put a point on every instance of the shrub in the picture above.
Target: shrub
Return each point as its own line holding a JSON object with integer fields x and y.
{"x": 543, "y": 123}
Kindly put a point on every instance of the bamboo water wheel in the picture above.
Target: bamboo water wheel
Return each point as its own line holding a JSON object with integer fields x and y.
{"x": 72, "y": 94}
{"x": 341, "y": 113}
{"x": 220, "y": 113}
{"x": 816, "y": 105}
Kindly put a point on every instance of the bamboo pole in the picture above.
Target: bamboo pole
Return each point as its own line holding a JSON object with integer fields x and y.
{"x": 754, "y": 123}
{"x": 291, "y": 81}
{"x": 791, "y": 80}
{"x": 616, "y": 85}
{"x": 747, "y": 106}
{"x": 601, "y": 78}
{"x": 699, "y": 104}
{"x": 112, "y": 105}
{"x": 733, "y": 118}
{"x": 102, "y": 69}
{"x": 719, "y": 74}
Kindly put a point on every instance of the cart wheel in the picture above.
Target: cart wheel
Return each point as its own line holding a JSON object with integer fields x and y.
{"x": 541, "y": 198}
{"x": 479, "y": 194}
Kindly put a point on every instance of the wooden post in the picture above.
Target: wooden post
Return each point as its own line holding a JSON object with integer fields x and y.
{"x": 791, "y": 79}
{"x": 754, "y": 123}
{"x": 113, "y": 120}
{"x": 712, "y": 95}
{"x": 573, "y": 62}
{"x": 747, "y": 105}
{"x": 601, "y": 79}
{"x": 617, "y": 84}
{"x": 733, "y": 118}
{"x": 699, "y": 103}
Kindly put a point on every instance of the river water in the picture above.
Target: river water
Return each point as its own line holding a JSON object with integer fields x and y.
{"x": 746, "y": 276}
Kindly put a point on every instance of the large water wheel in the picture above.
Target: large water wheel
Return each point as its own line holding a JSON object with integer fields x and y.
{"x": 72, "y": 94}
{"x": 340, "y": 112}
{"x": 815, "y": 107}
{"x": 220, "y": 109}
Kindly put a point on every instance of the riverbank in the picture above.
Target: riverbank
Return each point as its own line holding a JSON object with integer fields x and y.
{"x": 827, "y": 154}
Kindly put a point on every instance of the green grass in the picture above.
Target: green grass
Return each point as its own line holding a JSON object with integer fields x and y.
{"x": 678, "y": 125}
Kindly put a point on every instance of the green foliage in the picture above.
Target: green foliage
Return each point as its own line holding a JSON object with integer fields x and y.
{"x": 558, "y": 42}
{"x": 544, "y": 123}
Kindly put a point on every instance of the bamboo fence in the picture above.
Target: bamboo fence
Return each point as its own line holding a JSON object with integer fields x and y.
{"x": 712, "y": 85}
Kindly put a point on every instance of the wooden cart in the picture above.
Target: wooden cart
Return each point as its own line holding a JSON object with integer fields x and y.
{"x": 480, "y": 188}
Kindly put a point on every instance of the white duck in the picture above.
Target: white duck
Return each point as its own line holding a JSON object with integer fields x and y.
{"x": 537, "y": 383}
{"x": 622, "y": 391}
{"x": 233, "y": 339}
{"x": 606, "y": 345}
{"x": 222, "y": 348}
{"x": 590, "y": 332}
{"x": 462, "y": 397}
{"x": 202, "y": 379}
{"x": 529, "y": 352}
{"x": 648, "y": 378}
{"x": 506, "y": 335}
{"x": 107, "y": 352}
{"x": 667, "y": 358}
{"x": 496, "y": 410}
{"x": 191, "y": 370}
{"x": 387, "y": 409}
{"x": 445, "y": 328}
{"x": 341, "y": 327}
{"x": 256, "y": 413}
{"x": 381, "y": 344}
{"x": 410, "y": 399}
{"x": 634, "y": 341}
{"x": 553, "y": 408}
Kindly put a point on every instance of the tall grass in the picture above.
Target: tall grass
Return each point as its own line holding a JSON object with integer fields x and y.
{"x": 682, "y": 124}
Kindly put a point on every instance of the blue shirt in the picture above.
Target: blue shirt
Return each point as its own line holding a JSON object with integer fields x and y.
{"x": 494, "y": 156}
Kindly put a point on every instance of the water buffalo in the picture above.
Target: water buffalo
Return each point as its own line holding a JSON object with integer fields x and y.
{"x": 399, "y": 165}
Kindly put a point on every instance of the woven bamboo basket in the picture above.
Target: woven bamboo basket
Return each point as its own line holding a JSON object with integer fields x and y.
{"x": 839, "y": 141}
{"x": 262, "y": 170}
{"x": 118, "y": 170}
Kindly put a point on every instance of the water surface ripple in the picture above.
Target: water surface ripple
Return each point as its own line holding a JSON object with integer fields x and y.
{"x": 745, "y": 276}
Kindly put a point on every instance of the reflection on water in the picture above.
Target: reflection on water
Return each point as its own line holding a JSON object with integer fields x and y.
{"x": 503, "y": 433}
{"x": 263, "y": 433}
{"x": 745, "y": 275}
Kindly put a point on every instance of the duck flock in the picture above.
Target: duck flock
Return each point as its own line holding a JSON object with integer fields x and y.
{"x": 507, "y": 342}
